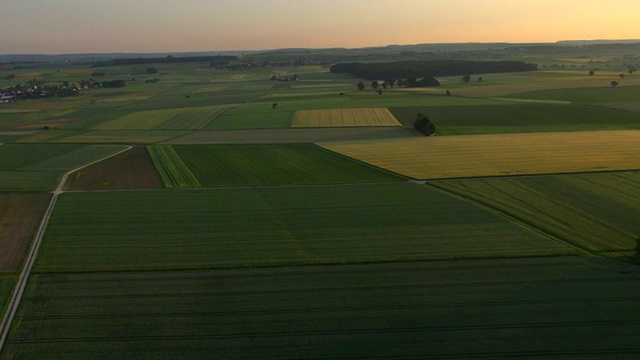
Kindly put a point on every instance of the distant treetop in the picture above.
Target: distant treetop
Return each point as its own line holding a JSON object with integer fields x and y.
{"x": 421, "y": 69}
{"x": 215, "y": 60}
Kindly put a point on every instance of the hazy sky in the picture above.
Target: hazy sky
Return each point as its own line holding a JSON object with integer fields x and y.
{"x": 63, "y": 26}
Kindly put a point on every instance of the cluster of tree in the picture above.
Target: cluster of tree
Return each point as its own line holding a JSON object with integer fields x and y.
{"x": 410, "y": 82}
{"x": 422, "y": 69}
{"x": 152, "y": 81}
{"x": 424, "y": 125}
{"x": 217, "y": 60}
{"x": 113, "y": 84}
{"x": 152, "y": 70}
{"x": 285, "y": 78}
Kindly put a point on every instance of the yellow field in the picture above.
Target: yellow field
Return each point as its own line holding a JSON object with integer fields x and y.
{"x": 344, "y": 118}
{"x": 495, "y": 155}
{"x": 139, "y": 120}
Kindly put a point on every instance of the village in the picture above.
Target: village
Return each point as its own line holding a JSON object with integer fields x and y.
{"x": 34, "y": 89}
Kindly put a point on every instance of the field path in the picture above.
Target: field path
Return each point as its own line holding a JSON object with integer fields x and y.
{"x": 23, "y": 279}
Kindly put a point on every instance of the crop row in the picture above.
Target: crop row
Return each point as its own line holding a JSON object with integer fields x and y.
{"x": 597, "y": 212}
{"x": 410, "y": 310}
{"x": 248, "y": 227}
{"x": 173, "y": 171}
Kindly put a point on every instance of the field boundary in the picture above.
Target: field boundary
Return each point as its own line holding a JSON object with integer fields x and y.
{"x": 23, "y": 279}
{"x": 404, "y": 177}
{"x": 517, "y": 220}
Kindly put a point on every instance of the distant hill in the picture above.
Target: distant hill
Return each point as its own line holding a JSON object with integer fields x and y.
{"x": 596, "y": 42}
{"x": 442, "y": 48}
{"x": 90, "y": 58}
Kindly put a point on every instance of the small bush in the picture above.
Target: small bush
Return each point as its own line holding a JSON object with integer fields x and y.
{"x": 424, "y": 125}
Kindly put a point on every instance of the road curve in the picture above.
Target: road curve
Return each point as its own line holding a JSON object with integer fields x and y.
{"x": 23, "y": 279}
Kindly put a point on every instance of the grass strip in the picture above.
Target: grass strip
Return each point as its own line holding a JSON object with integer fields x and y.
{"x": 173, "y": 171}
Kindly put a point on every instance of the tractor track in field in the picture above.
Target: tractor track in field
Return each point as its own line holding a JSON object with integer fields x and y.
{"x": 23, "y": 279}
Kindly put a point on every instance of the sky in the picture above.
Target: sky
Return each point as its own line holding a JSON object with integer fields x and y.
{"x": 99, "y": 26}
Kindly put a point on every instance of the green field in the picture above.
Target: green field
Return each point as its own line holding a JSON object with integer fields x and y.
{"x": 587, "y": 95}
{"x": 17, "y": 180}
{"x": 519, "y": 118}
{"x": 167, "y": 119}
{"x": 596, "y": 212}
{"x": 6, "y": 285}
{"x": 274, "y": 165}
{"x": 274, "y": 226}
{"x": 14, "y": 157}
{"x": 39, "y": 167}
{"x": 296, "y": 136}
{"x": 173, "y": 171}
{"x": 426, "y": 310}
{"x": 231, "y": 121}
{"x": 71, "y": 160}
{"x": 124, "y": 136}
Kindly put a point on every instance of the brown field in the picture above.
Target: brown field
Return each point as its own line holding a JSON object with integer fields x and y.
{"x": 19, "y": 219}
{"x": 496, "y": 155}
{"x": 132, "y": 169}
{"x": 344, "y": 118}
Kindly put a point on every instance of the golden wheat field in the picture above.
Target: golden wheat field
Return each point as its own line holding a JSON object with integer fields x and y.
{"x": 344, "y": 118}
{"x": 495, "y": 155}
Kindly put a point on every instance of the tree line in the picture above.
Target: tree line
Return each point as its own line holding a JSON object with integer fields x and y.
{"x": 214, "y": 60}
{"x": 427, "y": 69}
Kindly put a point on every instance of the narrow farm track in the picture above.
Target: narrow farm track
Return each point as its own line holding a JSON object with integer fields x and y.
{"x": 23, "y": 279}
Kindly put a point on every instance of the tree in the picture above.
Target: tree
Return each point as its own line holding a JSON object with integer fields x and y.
{"x": 448, "y": 93}
{"x": 466, "y": 78}
{"x": 360, "y": 86}
{"x": 375, "y": 85}
{"x": 591, "y": 73}
{"x": 424, "y": 125}
{"x": 614, "y": 83}
{"x": 274, "y": 105}
{"x": 152, "y": 70}
{"x": 622, "y": 76}
{"x": 480, "y": 79}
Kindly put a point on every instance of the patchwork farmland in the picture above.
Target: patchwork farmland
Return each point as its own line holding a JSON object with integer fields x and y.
{"x": 250, "y": 218}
